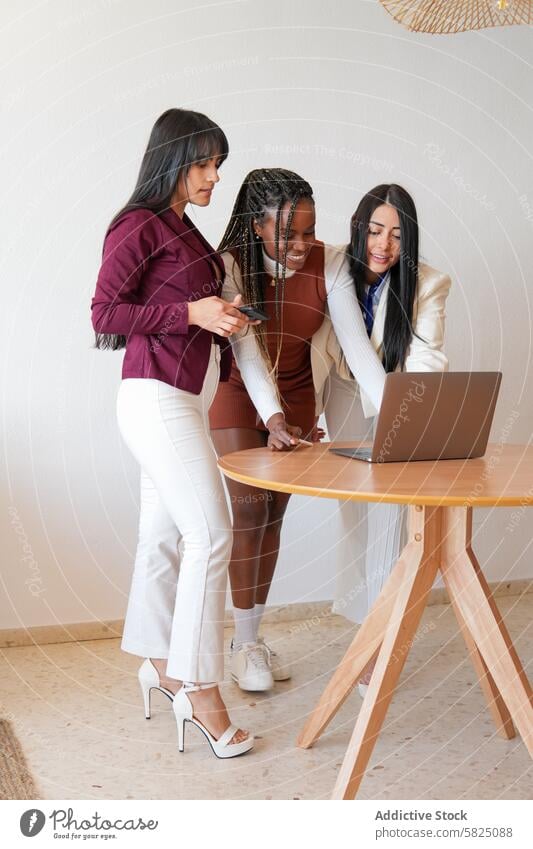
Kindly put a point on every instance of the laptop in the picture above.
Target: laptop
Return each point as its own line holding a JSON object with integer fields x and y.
{"x": 432, "y": 416}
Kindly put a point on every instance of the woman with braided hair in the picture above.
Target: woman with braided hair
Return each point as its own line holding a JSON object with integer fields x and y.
{"x": 272, "y": 258}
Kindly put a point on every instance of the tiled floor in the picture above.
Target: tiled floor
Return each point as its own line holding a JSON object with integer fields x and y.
{"x": 77, "y": 710}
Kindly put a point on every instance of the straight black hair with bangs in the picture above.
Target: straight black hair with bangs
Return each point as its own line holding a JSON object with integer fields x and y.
{"x": 179, "y": 138}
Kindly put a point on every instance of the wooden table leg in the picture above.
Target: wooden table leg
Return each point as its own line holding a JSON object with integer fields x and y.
{"x": 470, "y": 595}
{"x": 496, "y": 704}
{"x": 420, "y": 561}
{"x": 364, "y": 646}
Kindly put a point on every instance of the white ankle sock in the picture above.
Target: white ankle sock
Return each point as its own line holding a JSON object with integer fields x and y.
{"x": 259, "y": 609}
{"x": 245, "y": 631}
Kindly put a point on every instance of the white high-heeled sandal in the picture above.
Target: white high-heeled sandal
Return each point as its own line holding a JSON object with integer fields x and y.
{"x": 149, "y": 680}
{"x": 183, "y": 712}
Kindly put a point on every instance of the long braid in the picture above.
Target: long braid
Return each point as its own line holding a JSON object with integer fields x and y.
{"x": 263, "y": 191}
{"x": 280, "y": 285}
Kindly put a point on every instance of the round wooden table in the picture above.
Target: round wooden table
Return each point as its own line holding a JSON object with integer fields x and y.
{"x": 440, "y": 495}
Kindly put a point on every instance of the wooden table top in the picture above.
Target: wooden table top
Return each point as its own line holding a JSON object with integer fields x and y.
{"x": 503, "y": 477}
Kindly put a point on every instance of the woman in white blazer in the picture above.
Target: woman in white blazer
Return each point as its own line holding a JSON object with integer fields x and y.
{"x": 402, "y": 302}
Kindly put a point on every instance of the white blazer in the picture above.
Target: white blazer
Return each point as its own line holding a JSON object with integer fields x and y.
{"x": 344, "y": 320}
{"x": 424, "y": 354}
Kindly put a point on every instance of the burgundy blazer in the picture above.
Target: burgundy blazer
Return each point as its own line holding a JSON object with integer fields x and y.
{"x": 153, "y": 265}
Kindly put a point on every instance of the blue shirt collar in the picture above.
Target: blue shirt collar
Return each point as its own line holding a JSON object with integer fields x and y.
{"x": 378, "y": 287}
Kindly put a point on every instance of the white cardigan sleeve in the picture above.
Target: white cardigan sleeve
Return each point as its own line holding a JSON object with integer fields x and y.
{"x": 349, "y": 327}
{"x": 425, "y": 351}
{"x": 257, "y": 380}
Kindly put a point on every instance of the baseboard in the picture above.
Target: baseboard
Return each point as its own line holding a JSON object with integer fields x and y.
{"x": 112, "y": 629}
{"x": 39, "y": 635}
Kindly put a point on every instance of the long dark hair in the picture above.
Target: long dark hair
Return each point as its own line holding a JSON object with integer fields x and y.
{"x": 179, "y": 138}
{"x": 264, "y": 192}
{"x": 398, "y": 330}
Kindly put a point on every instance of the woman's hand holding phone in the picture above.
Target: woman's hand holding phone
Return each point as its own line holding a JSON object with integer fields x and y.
{"x": 254, "y": 313}
{"x": 219, "y": 316}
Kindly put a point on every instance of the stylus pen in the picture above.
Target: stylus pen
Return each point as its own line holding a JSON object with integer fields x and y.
{"x": 305, "y": 442}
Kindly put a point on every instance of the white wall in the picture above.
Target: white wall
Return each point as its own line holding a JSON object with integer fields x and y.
{"x": 338, "y": 92}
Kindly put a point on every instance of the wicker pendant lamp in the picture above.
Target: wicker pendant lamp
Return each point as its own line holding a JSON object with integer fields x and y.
{"x": 448, "y": 16}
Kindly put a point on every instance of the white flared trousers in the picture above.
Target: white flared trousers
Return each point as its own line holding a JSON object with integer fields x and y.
{"x": 178, "y": 589}
{"x": 371, "y": 535}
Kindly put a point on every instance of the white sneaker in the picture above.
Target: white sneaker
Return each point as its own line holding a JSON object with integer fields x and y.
{"x": 249, "y": 667}
{"x": 280, "y": 671}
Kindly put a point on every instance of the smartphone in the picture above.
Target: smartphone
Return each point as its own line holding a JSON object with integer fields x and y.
{"x": 254, "y": 313}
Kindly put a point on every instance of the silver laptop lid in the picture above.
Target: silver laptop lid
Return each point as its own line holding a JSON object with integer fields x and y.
{"x": 435, "y": 415}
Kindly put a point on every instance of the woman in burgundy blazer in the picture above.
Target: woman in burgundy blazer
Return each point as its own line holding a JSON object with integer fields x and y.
{"x": 158, "y": 295}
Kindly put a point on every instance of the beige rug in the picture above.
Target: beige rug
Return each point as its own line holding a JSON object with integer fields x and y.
{"x": 16, "y": 781}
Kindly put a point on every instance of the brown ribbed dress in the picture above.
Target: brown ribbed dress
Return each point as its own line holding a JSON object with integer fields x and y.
{"x": 302, "y": 315}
